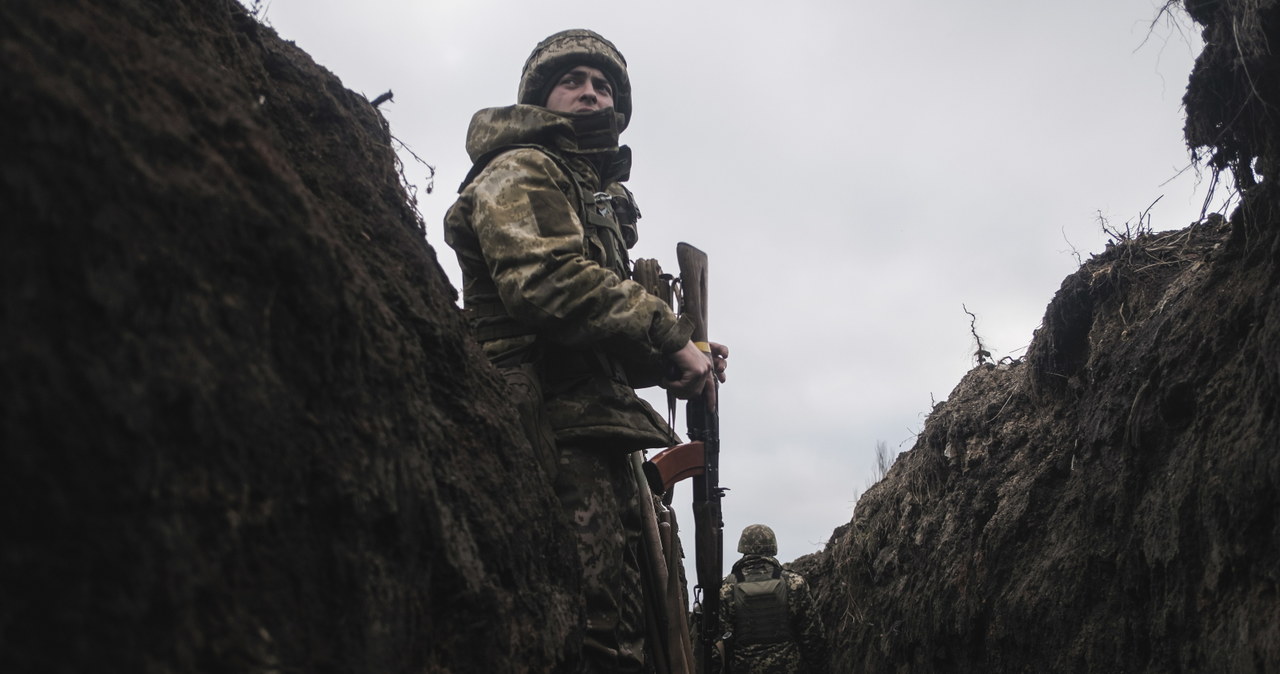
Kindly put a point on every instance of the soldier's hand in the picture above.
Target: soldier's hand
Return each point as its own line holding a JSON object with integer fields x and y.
{"x": 719, "y": 359}
{"x": 693, "y": 374}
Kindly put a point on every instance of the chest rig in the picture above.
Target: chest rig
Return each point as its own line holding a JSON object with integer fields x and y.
{"x": 606, "y": 218}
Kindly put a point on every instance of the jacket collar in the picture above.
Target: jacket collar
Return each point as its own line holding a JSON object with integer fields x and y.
{"x": 593, "y": 136}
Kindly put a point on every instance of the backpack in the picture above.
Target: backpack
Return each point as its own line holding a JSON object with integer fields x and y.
{"x": 760, "y": 606}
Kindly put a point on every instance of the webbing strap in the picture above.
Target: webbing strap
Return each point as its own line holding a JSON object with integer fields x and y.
{"x": 490, "y": 321}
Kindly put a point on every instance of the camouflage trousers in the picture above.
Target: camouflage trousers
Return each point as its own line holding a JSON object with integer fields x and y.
{"x": 779, "y": 658}
{"x": 597, "y": 490}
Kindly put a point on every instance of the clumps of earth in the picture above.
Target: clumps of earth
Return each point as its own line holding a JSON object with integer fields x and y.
{"x": 245, "y": 428}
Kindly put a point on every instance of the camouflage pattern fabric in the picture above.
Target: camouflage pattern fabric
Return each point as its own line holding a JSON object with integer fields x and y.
{"x": 569, "y": 49}
{"x": 758, "y": 539}
{"x": 525, "y": 388}
{"x": 522, "y": 245}
{"x": 538, "y": 236}
{"x": 598, "y": 493}
{"x": 805, "y": 653}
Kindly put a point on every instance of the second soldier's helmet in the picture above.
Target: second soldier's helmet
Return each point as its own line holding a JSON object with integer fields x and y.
{"x": 565, "y": 50}
{"x": 758, "y": 539}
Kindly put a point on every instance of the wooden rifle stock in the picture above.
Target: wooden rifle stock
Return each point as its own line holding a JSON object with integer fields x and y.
{"x": 704, "y": 428}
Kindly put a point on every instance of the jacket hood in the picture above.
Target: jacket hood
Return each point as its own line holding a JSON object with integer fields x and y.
{"x": 493, "y": 128}
{"x": 594, "y": 136}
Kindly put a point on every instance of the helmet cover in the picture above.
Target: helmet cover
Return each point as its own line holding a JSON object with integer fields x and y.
{"x": 758, "y": 539}
{"x": 568, "y": 49}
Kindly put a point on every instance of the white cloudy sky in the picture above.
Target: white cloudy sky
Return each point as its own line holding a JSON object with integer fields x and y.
{"x": 857, "y": 171}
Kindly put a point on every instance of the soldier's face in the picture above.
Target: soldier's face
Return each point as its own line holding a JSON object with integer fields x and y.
{"x": 583, "y": 89}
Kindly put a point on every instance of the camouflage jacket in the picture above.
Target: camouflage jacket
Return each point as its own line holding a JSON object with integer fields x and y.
{"x": 805, "y": 652}
{"x": 545, "y": 278}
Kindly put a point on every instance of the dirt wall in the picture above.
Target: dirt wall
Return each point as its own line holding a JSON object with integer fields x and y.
{"x": 244, "y": 428}
{"x": 1109, "y": 504}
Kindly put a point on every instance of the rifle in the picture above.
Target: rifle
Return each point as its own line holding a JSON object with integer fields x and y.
{"x": 698, "y": 459}
{"x": 703, "y": 427}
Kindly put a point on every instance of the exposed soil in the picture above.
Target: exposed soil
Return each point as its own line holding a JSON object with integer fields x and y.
{"x": 245, "y": 428}
{"x": 1109, "y": 505}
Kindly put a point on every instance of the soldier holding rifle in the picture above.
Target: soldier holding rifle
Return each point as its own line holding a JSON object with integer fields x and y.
{"x": 541, "y": 229}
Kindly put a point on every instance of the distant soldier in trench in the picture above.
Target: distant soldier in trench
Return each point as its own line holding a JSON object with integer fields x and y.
{"x": 541, "y": 229}
{"x": 770, "y": 618}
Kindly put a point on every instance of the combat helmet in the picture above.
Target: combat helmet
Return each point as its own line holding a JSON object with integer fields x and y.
{"x": 567, "y": 49}
{"x": 758, "y": 539}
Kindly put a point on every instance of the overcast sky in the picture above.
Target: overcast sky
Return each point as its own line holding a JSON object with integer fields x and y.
{"x": 858, "y": 172}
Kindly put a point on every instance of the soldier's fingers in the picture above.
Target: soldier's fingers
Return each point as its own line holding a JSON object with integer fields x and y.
{"x": 688, "y": 384}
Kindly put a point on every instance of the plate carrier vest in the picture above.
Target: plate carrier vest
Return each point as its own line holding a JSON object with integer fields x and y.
{"x": 760, "y": 607}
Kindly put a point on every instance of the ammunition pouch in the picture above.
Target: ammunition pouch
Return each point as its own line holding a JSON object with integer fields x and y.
{"x": 525, "y": 387}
